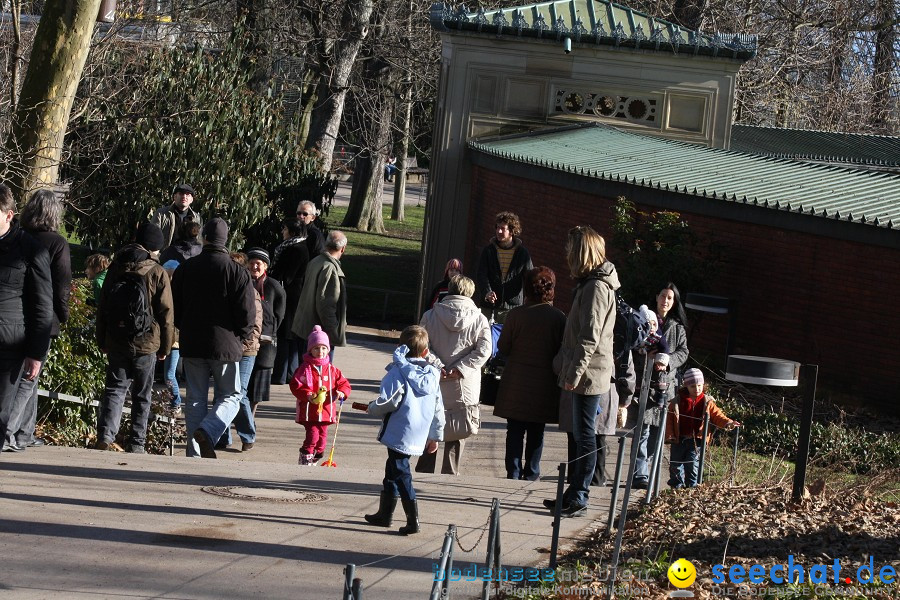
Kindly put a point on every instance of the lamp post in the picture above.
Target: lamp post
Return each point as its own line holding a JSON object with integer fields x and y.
{"x": 760, "y": 370}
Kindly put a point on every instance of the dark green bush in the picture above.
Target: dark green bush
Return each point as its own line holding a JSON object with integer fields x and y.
{"x": 833, "y": 445}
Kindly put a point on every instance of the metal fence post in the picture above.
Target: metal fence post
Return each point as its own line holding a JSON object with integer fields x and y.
{"x": 349, "y": 572}
{"x": 620, "y": 457}
{"x": 653, "y": 483}
{"x": 702, "y": 448}
{"x": 357, "y": 590}
{"x": 635, "y": 442}
{"x": 493, "y": 549}
{"x": 554, "y": 541}
{"x": 737, "y": 435}
{"x": 440, "y": 585}
{"x": 808, "y": 375}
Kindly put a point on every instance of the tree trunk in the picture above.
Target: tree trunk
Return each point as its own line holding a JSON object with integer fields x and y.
{"x": 364, "y": 212}
{"x": 60, "y": 49}
{"x": 884, "y": 65}
{"x": 332, "y": 85}
{"x": 14, "y": 58}
{"x": 258, "y": 59}
{"x": 401, "y": 150}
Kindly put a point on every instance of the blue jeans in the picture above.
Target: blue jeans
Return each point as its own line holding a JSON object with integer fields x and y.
{"x": 584, "y": 419}
{"x": 10, "y": 373}
{"x": 649, "y": 440}
{"x": 397, "y": 476}
{"x": 684, "y": 462}
{"x": 226, "y": 398}
{"x": 243, "y": 421}
{"x": 170, "y": 367}
{"x": 528, "y": 437}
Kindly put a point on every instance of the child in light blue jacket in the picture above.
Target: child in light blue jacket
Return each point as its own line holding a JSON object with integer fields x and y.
{"x": 410, "y": 401}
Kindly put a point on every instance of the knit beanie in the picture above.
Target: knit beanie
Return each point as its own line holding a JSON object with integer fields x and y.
{"x": 317, "y": 338}
{"x": 662, "y": 359}
{"x": 216, "y": 232}
{"x": 648, "y": 314}
{"x": 150, "y": 236}
{"x": 258, "y": 254}
{"x": 693, "y": 377}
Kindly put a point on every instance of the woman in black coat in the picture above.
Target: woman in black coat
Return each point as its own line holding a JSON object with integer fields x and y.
{"x": 42, "y": 218}
{"x": 289, "y": 262}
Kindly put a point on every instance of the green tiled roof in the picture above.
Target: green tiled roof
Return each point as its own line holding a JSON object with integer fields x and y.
{"x": 599, "y": 151}
{"x": 823, "y": 146}
{"x": 592, "y": 22}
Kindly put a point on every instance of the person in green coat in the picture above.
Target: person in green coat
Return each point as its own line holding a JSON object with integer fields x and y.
{"x": 95, "y": 267}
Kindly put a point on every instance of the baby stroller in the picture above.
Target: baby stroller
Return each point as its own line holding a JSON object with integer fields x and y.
{"x": 493, "y": 370}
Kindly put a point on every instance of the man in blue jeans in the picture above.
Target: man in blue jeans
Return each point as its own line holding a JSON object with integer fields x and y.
{"x": 215, "y": 310}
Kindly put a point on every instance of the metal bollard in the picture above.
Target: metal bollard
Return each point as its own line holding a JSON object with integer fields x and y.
{"x": 620, "y": 457}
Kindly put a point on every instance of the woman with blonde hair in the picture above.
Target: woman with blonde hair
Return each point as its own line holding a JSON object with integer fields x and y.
{"x": 585, "y": 360}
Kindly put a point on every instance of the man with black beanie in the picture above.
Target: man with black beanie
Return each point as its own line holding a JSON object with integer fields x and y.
{"x": 215, "y": 309}
{"x": 135, "y": 328}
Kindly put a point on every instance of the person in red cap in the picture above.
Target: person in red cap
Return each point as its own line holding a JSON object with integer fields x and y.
{"x": 318, "y": 385}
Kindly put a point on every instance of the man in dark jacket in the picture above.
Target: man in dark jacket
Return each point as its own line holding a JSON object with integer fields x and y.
{"x": 215, "y": 309}
{"x": 132, "y": 357}
{"x": 315, "y": 241}
{"x": 501, "y": 269}
{"x": 26, "y": 306}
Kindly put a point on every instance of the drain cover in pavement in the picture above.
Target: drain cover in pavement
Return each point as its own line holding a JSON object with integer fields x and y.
{"x": 261, "y": 494}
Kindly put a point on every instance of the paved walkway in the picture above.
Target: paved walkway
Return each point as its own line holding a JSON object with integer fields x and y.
{"x": 88, "y": 524}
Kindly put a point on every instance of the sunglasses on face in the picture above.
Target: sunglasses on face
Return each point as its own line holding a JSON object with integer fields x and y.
{"x": 302, "y": 214}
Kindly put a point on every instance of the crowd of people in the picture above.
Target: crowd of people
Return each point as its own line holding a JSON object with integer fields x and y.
{"x": 246, "y": 321}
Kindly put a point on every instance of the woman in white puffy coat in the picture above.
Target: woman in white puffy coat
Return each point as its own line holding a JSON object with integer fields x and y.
{"x": 460, "y": 338}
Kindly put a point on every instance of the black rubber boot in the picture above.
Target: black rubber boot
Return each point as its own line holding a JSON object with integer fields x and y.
{"x": 385, "y": 513}
{"x": 411, "y": 508}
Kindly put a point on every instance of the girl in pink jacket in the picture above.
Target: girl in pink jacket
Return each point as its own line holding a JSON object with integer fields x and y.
{"x": 317, "y": 384}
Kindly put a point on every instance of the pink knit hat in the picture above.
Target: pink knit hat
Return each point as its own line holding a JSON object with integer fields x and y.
{"x": 693, "y": 377}
{"x": 317, "y": 338}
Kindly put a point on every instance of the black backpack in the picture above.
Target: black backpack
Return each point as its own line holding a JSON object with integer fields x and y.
{"x": 128, "y": 307}
{"x": 630, "y": 331}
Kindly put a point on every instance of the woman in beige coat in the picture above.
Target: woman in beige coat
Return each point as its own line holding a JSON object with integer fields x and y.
{"x": 460, "y": 337}
{"x": 585, "y": 360}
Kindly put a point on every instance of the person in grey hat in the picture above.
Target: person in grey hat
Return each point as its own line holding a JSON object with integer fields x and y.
{"x": 215, "y": 311}
{"x": 170, "y": 218}
{"x": 135, "y": 328}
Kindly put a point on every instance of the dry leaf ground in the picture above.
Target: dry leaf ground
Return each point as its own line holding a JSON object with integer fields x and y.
{"x": 743, "y": 525}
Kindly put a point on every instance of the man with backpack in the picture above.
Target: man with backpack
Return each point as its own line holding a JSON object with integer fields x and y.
{"x": 135, "y": 328}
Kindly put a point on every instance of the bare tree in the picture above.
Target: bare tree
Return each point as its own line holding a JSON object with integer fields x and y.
{"x": 331, "y": 88}
{"x": 58, "y": 55}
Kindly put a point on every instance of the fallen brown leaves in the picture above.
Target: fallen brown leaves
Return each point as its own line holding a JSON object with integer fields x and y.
{"x": 747, "y": 525}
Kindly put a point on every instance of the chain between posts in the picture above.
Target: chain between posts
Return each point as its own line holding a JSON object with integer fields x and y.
{"x": 484, "y": 528}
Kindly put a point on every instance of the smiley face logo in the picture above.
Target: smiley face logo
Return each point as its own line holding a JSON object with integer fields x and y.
{"x": 682, "y": 573}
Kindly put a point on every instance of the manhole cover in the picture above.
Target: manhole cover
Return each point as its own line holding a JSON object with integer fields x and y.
{"x": 265, "y": 494}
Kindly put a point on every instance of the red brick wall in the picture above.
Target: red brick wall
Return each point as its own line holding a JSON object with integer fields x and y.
{"x": 800, "y": 296}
